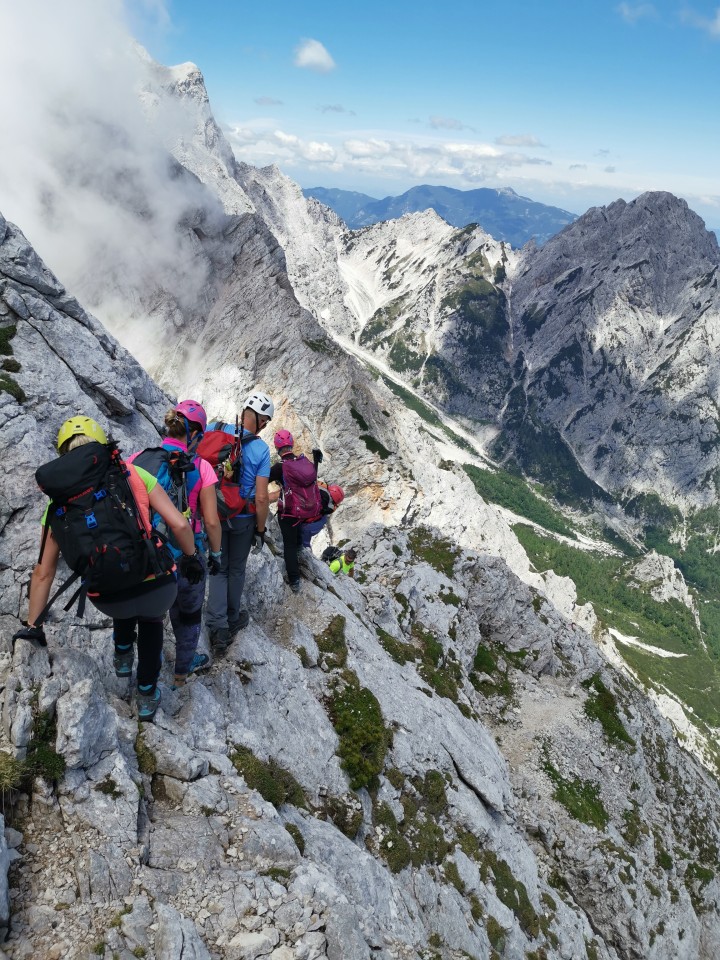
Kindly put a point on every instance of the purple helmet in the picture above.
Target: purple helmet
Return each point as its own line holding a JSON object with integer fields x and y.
{"x": 283, "y": 438}
{"x": 193, "y": 412}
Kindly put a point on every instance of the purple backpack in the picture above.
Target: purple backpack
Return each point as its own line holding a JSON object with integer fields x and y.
{"x": 300, "y": 497}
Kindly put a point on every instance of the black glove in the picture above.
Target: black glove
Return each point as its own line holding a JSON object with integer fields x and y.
{"x": 317, "y": 456}
{"x": 191, "y": 568}
{"x": 31, "y": 633}
{"x": 214, "y": 562}
{"x": 258, "y": 540}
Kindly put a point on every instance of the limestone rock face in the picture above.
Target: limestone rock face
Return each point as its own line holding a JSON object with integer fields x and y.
{"x": 614, "y": 322}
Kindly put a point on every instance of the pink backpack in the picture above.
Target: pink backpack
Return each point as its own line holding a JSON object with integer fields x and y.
{"x": 300, "y": 497}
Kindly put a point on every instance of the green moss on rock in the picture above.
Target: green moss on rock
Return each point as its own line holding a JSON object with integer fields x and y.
{"x": 272, "y": 782}
{"x": 331, "y": 643}
{"x": 364, "y": 739}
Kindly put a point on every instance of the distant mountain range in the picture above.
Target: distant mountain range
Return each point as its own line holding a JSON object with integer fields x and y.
{"x": 504, "y": 214}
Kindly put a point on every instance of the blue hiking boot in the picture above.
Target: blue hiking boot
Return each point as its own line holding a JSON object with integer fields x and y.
{"x": 199, "y": 663}
{"x": 148, "y": 701}
{"x": 123, "y": 662}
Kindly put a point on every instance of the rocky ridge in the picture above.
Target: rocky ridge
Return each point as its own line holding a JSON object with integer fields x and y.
{"x": 249, "y": 821}
{"x": 522, "y": 796}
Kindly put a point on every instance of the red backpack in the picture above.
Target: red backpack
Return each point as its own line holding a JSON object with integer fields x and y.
{"x": 300, "y": 496}
{"x": 223, "y": 452}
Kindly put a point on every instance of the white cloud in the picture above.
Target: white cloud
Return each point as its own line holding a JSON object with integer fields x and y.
{"x": 519, "y": 140}
{"x": 367, "y": 148}
{"x": 577, "y": 166}
{"x": 82, "y": 172}
{"x": 335, "y": 108}
{"x": 312, "y": 55}
{"x": 632, "y": 12}
{"x": 710, "y": 25}
{"x": 268, "y": 102}
{"x": 446, "y": 123}
{"x": 380, "y": 157}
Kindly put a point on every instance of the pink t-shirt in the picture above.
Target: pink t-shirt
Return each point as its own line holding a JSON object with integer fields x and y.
{"x": 207, "y": 479}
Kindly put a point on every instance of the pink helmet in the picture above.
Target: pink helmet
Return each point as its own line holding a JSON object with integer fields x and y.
{"x": 337, "y": 494}
{"x": 193, "y": 412}
{"x": 283, "y": 438}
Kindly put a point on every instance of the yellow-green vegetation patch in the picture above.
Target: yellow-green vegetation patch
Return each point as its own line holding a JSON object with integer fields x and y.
{"x": 381, "y": 321}
{"x": 510, "y": 891}
{"x": 12, "y": 772}
{"x": 8, "y": 385}
{"x": 697, "y": 877}
{"x": 420, "y": 838}
{"x": 297, "y": 836}
{"x": 109, "y": 787}
{"x": 272, "y": 782}
{"x": 602, "y": 705}
{"x": 147, "y": 761}
{"x": 345, "y": 812}
{"x": 496, "y": 933}
{"x": 486, "y": 665}
{"x": 438, "y": 669}
{"x": 635, "y": 827}
{"x": 400, "y": 651}
{"x": 331, "y": 643}
{"x": 436, "y": 551}
{"x": 607, "y": 582}
{"x": 452, "y": 875}
{"x": 394, "y": 848}
{"x": 6, "y": 334}
{"x": 42, "y": 759}
{"x": 581, "y": 798}
{"x": 358, "y": 721}
{"x": 450, "y": 598}
{"x": 426, "y": 413}
{"x": 513, "y": 492}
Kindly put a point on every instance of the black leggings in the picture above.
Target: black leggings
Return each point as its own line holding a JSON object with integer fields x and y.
{"x": 149, "y": 644}
{"x": 292, "y": 541}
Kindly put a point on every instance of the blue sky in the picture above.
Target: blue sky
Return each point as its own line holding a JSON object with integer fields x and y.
{"x": 571, "y": 103}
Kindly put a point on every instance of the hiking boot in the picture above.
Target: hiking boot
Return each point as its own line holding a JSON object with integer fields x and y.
{"x": 123, "y": 662}
{"x": 147, "y": 703}
{"x": 295, "y": 586}
{"x": 242, "y": 621}
{"x": 199, "y": 663}
{"x": 220, "y": 640}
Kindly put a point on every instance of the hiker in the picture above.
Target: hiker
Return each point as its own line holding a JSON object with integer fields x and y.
{"x": 239, "y": 531}
{"x": 331, "y": 496}
{"x": 105, "y": 535}
{"x": 345, "y": 563}
{"x": 189, "y": 481}
{"x": 298, "y": 499}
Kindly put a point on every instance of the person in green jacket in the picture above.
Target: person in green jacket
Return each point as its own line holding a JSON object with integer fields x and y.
{"x": 344, "y": 563}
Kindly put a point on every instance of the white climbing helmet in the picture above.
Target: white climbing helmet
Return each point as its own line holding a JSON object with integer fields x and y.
{"x": 260, "y": 403}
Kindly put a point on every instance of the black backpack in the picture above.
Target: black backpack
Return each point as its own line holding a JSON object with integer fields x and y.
{"x": 331, "y": 553}
{"x": 96, "y": 523}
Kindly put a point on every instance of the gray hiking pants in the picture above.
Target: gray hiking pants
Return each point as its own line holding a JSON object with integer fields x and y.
{"x": 226, "y": 587}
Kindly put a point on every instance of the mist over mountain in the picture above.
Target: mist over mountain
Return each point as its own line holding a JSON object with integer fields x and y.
{"x": 502, "y": 213}
{"x": 464, "y": 752}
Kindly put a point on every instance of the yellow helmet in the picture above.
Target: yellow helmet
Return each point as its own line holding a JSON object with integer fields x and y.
{"x": 84, "y": 426}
